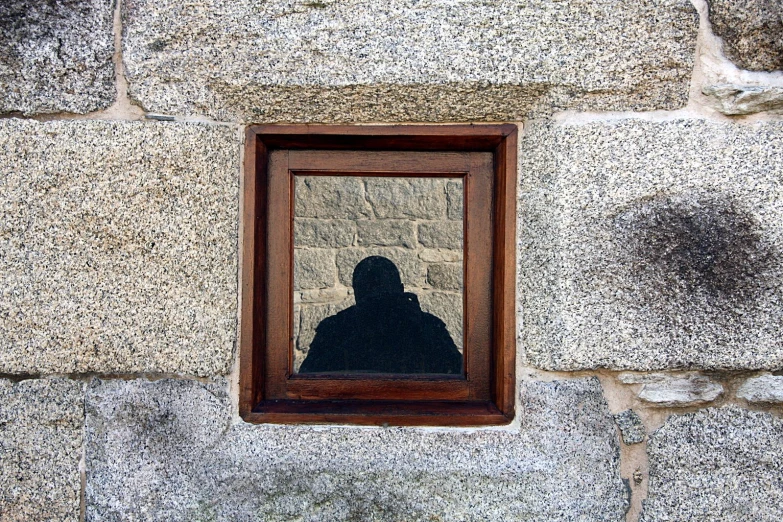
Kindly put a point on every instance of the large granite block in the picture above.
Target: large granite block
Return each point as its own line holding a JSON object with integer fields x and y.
{"x": 118, "y": 247}
{"x": 41, "y": 423}
{"x": 752, "y": 32}
{"x": 650, "y": 245}
{"x": 167, "y": 450}
{"x": 56, "y": 56}
{"x": 716, "y": 464}
{"x": 405, "y": 60}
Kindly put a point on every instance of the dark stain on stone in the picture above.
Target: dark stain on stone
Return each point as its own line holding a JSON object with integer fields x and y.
{"x": 702, "y": 243}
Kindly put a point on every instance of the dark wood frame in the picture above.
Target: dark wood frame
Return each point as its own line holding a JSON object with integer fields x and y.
{"x": 485, "y": 156}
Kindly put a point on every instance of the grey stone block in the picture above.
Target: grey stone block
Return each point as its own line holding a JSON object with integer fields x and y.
{"x": 323, "y": 233}
{"x": 445, "y": 276}
{"x": 735, "y": 100}
{"x": 407, "y": 198}
{"x": 314, "y": 268}
{"x": 330, "y": 197}
{"x": 118, "y": 247}
{"x": 441, "y": 234}
{"x": 681, "y": 391}
{"x": 168, "y": 450}
{"x": 400, "y": 60}
{"x": 311, "y": 316}
{"x": 41, "y": 424}
{"x": 631, "y": 427}
{"x": 386, "y": 232}
{"x": 716, "y": 464}
{"x": 447, "y": 307}
{"x": 56, "y": 56}
{"x": 651, "y": 245}
{"x": 454, "y": 198}
{"x": 752, "y": 32}
{"x": 412, "y": 271}
{"x": 440, "y": 255}
{"x": 765, "y": 388}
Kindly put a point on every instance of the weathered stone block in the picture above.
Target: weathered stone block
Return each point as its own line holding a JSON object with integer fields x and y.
{"x": 323, "y": 233}
{"x": 386, "y": 232}
{"x": 169, "y": 449}
{"x": 454, "y": 198}
{"x": 330, "y": 197}
{"x": 735, "y": 100}
{"x": 651, "y": 245}
{"x": 631, "y": 427}
{"x": 445, "y": 276}
{"x": 411, "y": 198}
{"x": 765, "y": 388}
{"x": 56, "y": 56}
{"x": 722, "y": 464}
{"x": 681, "y": 391}
{"x": 314, "y": 268}
{"x": 118, "y": 247}
{"x": 447, "y": 307}
{"x": 441, "y": 235}
{"x": 440, "y": 255}
{"x": 412, "y": 271}
{"x": 400, "y": 60}
{"x": 310, "y": 316}
{"x": 41, "y": 423}
{"x": 752, "y": 32}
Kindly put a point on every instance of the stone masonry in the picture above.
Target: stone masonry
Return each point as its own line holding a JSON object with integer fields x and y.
{"x": 415, "y": 222}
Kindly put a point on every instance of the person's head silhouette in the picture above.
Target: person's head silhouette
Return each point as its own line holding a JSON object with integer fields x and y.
{"x": 375, "y": 276}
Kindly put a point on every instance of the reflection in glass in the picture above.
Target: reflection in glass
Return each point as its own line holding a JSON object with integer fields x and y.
{"x": 385, "y": 331}
{"x": 415, "y": 224}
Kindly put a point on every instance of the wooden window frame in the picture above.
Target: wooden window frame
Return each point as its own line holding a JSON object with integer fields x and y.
{"x": 485, "y": 157}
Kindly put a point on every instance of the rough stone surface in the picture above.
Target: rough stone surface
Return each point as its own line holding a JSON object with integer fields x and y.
{"x": 387, "y": 232}
{"x": 752, "y": 32}
{"x": 736, "y": 100}
{"x": 118, "y": 247}
{"x": 445, "y": 276}
{"x": 454, "y": 198}
{"x": 765, "y": 388}
{"x": 411, "y": 198}
{"x": 314, "y": 268}
{"x": 56, "y": 56}
{"x": 168, "y": 450}
{"x": 402, "y": 60}
{"x": 678, "y": 391}
{"x": 330, "y": 197}
{"x": 41, "y": 423}
{"x": 448, "y": 307}
{"x": 412, "y": 271}
{"x": 717, "y": 464}
{"x": 441, "y": 235}
{"x": 631, "y": 427}
{"x": 323, "y": 233}
{"x": 651, "y": 245}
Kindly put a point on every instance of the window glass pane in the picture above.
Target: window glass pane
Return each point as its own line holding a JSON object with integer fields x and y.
{"x": 378, "y": 275}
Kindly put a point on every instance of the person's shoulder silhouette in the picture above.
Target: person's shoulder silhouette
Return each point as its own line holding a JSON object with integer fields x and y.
{"x": 386, "y": 331}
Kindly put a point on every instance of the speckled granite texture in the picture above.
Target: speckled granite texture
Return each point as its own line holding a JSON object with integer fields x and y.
{"x": 56, "y": 56}
{"x": 649, "y": 245}
{"x": 406, "y": 60}
{"x": 752, "y": 32}
{"x": 118, "y": 247}
{"x": 167, "y": 450}
{"x": 716, "y": 465}
{"x": 41, "y": 424}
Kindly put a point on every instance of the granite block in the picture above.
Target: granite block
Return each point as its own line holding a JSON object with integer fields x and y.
{"x": 56, "y": 56}
{"x": 41, "y": 424}
{"x": 651, "y": 245}
{"x": 752, "y": 32}
{"x": 168, "y": 450}
{"x": 404, "y": 60}
{"x": 118, "y": 247}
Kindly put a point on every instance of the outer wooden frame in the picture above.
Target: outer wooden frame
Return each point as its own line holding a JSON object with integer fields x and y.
{"x": 268, "y": 391}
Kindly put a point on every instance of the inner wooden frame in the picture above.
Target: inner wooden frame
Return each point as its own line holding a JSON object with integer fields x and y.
{"x": 484, "y": 157}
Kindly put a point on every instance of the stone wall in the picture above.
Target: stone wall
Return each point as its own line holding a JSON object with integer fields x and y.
{"x": 338, "y": 221}
{"x": 649, "y": 251}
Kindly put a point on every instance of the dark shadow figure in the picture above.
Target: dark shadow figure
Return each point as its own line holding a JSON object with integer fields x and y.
{"x": 385, "y": 332}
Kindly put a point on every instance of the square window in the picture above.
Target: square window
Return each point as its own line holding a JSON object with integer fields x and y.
{"x": 378, "y": 275}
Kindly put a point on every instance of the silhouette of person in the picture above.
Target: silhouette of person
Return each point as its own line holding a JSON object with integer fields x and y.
{"x": 385, "y": 331}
